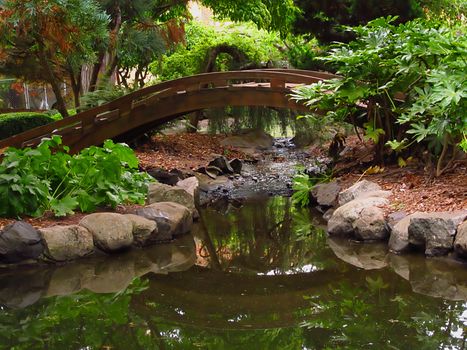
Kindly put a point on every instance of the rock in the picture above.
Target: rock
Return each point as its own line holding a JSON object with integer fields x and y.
{"x": 249, "y": 139}
{"x": 371, "y": 225}
{"x": 64, "y": 243}
{"x": 144, "y": 230}
{"x": 111, "y": 232}
{"x": 435, "y": 231}
{"x": 326, "y": 194}
{"x": 328, "y": 214}
{"x": 357, "y": 190}
{"x": 163, "y": 193}
{"x": 172, "y": 219}
{"x": 20, "y": 241}
{"x": 164, "y": 176}
{"x": 190, "y": 185}
{"x": 460, "y": 244}
{"x": 364, "y": 256}
{"x": 394, "y": 218}
{"x": 236, "y": 165}
{"x": 399, "y": 239}
{"x": 223, "y": 164}
{"x": 343, "y": 220}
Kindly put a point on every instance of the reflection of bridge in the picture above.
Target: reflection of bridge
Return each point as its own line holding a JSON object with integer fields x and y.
{"x": 147, "y": 108}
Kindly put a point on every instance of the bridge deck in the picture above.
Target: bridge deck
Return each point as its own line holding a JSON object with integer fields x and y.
{"x": 147, "y": 108}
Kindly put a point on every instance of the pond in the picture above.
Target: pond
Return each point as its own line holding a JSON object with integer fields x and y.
{"x": 260, "y": 276}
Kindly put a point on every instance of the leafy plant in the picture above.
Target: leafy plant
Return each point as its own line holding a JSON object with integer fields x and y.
{"x": 411, "y": 78}
{"x": 303, "y": 184}
{"x": 33, "y": 181}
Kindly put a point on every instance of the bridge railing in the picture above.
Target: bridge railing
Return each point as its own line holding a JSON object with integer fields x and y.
{"x": 73, "y": 128}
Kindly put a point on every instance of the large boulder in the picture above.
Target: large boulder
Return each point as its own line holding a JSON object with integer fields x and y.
{"x": 399, "y": 239}
{"x": 326, "y": 194}
{"x": 111, "y": 232}
{"x": 435, "y": 232}
{"x": 20, "y": 241}
{"x": 190, "y": 185}
{"x": 460, "y": 244}
{"x": 64, "y": 243}
{"x": 356, "y": 190}
{"x": 172, "y": 219}
{"x": 360, "y": 218}
{"x": 163, "y": 193}
{"x": 144, "y": 230}
{"x": 249, "y": 140}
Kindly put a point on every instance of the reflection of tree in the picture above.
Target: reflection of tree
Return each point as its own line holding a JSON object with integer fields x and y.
{"x": 262, "y": 236}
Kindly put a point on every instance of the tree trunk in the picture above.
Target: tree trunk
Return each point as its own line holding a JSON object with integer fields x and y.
{"x": 75, "y": 85}
{"x": 95, "y": 71}
{"x": 52, "y": 79}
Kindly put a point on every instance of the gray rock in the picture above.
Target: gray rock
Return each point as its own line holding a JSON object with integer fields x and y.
{"x": 342, "y": 222}
{"x": 190, "y": 185}
{"x": 357, "y": 190}
{"x": 399, "y": 239}
{"x": 64, "y": 243}
{"x": 111, "y": 232}
{"x": 163, "y": 193}
{"x": 328, "y": 214}
{"x": 395, "y": 217}
{"x": 435, "y": 232}
{"x": 236, "y": 165}
{"x": 20, "y": 241}
{"x": 371, "y": 225}
{"x": 249, "y": 139}
{"x": 144, "y": 230}
{"x": 364, "y": 256}
{"x": 460, "y": 244}
{"x": 172, "y": 219}
{"x": 223, "y": 164}
{"x": 326, "y": 194}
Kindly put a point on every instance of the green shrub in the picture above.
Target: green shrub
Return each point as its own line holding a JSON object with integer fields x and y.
{"x": 33, "y": 181}
{"x": 423, "y": 59}
{"x": 257, "y": 45}
{"x": 16, "y": 123}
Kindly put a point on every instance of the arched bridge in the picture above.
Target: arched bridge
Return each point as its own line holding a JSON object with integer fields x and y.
{"x": 147, "y": 108}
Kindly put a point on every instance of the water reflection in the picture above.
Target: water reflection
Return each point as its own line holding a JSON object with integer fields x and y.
{"x": 266, "y": 277}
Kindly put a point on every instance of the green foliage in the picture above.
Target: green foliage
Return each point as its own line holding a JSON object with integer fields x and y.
{"x": 48, "y": 178}
{"x": 15, "y": 123}
{"x": 103, "y": 94}
{"x": 424, "y": 60}
{"x": 266, "y": 14}
{"x": 303, "y": 184}
{"x": 257, "y": 45}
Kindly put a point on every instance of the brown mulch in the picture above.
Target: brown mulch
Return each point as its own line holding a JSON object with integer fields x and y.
{"x": 183, "y": 151}
{"x": 413, "y": 188}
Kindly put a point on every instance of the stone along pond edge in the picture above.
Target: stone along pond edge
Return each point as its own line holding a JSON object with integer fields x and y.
{"x": 355, "y": 213}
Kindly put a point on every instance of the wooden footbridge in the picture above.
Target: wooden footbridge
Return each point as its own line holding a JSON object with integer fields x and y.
{"x": 142, "y": 110}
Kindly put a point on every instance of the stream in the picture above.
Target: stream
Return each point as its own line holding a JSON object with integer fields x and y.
{"x": 260, "y": 276}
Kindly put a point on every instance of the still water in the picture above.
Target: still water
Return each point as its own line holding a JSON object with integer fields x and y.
{"x": 262, "y": 276}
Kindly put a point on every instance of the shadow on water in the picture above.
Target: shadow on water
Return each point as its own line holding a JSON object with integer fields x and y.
{"x": 263, "y": 276}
